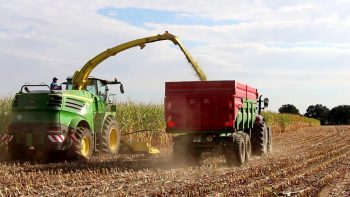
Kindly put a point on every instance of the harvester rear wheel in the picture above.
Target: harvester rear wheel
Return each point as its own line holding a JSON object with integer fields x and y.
{"x": 110, "y": 136}
{"x": 184, "y": 152}
{"x": 259, "y": 139}
{"x": 82, "y": 149}
{"x": 235, "y": 151}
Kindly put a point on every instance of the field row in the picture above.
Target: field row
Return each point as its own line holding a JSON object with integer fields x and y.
{"x": 303, "y": 163}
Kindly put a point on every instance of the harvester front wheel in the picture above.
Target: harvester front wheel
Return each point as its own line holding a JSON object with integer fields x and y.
{"x": 235, "y": 151}
{"x": 259, "y": 139}
{"x": 82, "y": 149}
{"x": 110, "y": 138}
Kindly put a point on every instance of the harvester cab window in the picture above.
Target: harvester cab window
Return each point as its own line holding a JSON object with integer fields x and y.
{"x": 91, "y": 87}
{"x": 102, "y": 90}
{"x": 94, "y": 86}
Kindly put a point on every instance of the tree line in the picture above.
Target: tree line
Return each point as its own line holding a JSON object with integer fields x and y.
{"x": 337, "y": 115}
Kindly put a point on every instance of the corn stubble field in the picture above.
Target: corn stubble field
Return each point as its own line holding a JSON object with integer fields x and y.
{"x": 307, "y": 160}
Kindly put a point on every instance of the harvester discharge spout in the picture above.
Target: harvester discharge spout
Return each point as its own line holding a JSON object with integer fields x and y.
{"x": 80, "y": 77}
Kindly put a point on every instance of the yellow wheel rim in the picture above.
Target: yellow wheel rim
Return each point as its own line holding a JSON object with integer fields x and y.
{"x": 113, "y": 138}
{"x": 85, "y": 146}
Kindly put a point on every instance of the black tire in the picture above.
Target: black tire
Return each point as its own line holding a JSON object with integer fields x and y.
{"x": 82, "y": 149}
{"x": 248, "y": 146}
{"x": 269, "y": 141}
{"x": 235, "y": 151}
{"x": 184, "y": 152}
{"x": 110, "y": 136}
{"x": 259, "y": 139}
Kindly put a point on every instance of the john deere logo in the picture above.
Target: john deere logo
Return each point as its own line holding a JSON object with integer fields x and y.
{"x": 19, "y": 117}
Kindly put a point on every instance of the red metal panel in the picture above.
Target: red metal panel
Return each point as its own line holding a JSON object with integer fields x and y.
{"x": 240, "y": 90}
{"x": 252, "y": 93}
{"x": 199, "y": 87}
{"x": 204, "y": 105}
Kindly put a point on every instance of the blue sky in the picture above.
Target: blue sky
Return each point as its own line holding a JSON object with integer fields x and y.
{"x": 295, "y": 52}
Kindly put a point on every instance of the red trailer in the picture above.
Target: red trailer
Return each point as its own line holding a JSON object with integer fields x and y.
{"x": 212, "y": 114}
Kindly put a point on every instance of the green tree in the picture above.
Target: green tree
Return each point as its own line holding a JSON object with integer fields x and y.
{"x": 288, "y": 109}
{"x": 318, "y": 111}
{"x": 340, "y": 115}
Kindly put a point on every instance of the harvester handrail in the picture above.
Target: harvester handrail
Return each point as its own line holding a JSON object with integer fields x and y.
{"x": 80, "y": 78}
{"x": 29, "y": 85}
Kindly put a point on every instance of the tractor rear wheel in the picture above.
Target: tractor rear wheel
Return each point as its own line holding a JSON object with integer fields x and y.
{"x": 235, "y": 151}
{"x": 82, "y": 149}
{"x": 110, "y": 136}
{"x": 259, "y": 139}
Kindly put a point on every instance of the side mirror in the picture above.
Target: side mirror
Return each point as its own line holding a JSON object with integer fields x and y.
{"x": 121, "y": 88}
{"x": 266, "y": 102}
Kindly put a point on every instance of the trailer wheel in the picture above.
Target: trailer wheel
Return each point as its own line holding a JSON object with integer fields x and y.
{"x": 259, "y": 139}
{"x": 235, "y": 151}
{"x": 269, "y": 141}
{"x": 83, "y": 147}
{"x": 248, "y": 146}
{"x": 184, "y": 152}
{"x": 110, "y": 136}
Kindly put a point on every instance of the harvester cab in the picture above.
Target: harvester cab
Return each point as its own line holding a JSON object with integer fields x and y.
{"x": 99, "y": 88}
